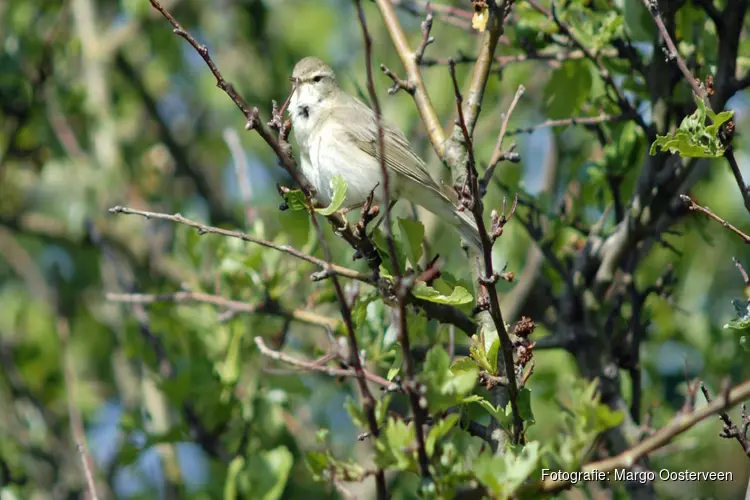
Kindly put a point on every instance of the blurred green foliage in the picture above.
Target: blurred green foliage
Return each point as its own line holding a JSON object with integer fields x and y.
{"x": 102, "y": 105}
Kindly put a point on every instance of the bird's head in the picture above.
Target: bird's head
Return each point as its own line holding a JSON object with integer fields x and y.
{"x": 314, "y": 83}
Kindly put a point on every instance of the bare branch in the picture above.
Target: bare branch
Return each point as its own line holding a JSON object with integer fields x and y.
{"x": 499, "y": 154}
{"x": 421, "y": 99}
{"x": 317, "y": 366}
{"x": 692, "y": 205}
{"x": 204, "y": 229}
{"x": 474, "y": 203}
{"x": 233, "y": 306}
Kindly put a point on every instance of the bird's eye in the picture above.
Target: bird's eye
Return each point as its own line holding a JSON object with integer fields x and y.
{"x": 317, "y": 78}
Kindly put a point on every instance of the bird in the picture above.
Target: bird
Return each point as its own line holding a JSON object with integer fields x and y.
{"x": 338, "y": 134}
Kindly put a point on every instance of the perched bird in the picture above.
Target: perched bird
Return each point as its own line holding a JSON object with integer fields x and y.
{"x": 338, "y": 134}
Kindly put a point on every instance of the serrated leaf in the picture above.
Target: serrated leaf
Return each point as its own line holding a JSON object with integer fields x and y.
{"x": 694, "y": 138}
{"x": 440, "y": 429}
{"x": 458, "y": 296}
{"x": 338, "y": 184}
{"x": 742, "y": 322}
{"x": 412, "y": 235}
{"x": 463, "y": 365}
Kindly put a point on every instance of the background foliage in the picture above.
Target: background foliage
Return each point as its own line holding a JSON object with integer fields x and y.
{"x": 101, "y": 105}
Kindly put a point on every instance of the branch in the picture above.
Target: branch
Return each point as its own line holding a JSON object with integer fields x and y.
{"x": 234, "y": 306}
{"x": 730, "y": 430}
{"x": 679, "y": 425}
{"x": 565, "y": 122}
{"x": 403, "y": 286}
{"x": 204, "y": 229}
{"x": 692, "y": 205}
{"x": 414, "y": 77}
{"x": 317, "y": 367}
{"x": 76, "y": 420}
{"x": 488, "y": 280}
{"x": 498, "y": 155}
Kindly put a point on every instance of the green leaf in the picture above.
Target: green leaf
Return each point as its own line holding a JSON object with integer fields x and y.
{"x": 568, "y": 89}
{"x": 445, "y": 388}
{"x": 356, "y": 413}
{"x": 459, "y": 296}
{"x": 439, "y": 430}
{"x": 396, "y": 365}
{"x": 412, "y": 232}
{"x": 524, "y": 405}
{"x": 498, "y": 413}
{"x": 394, "y": 446}
{"x": 230, "y": 485}
{"x": 463, "y": 365}
{"x": 295, "y": 200}
{"x": 339, "y": 195}
{"x": 745, "y": 342}
{"x": 280, "y": 461}
{"x": 322, "y": 435}
{"x": 694, "y": 138}
{"x": 742, "y": 322}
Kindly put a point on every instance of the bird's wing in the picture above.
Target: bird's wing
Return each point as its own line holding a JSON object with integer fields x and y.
{"x": 361, "y": 129}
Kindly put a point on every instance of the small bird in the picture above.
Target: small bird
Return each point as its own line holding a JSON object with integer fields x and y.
{"x": 338, "y": 134}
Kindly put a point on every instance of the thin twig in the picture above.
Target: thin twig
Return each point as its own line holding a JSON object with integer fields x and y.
{"x": 204, "y": 229}
{"x": 489, "y": 275}
{"x": 403, "y": 286}
{"x": 76, "y": 421}
{"x": 730, "y": 430}
{"x": 565, "y": 122}
{"x": 692, "y": 205}
{"x": 234, "y": 306}
{"x": 421, "y": 99}
{"x": 498, "y": 154}
{"x": 653, "y": 8}
{"x": 677, "y": 426}
{"x": 317, "y": 366}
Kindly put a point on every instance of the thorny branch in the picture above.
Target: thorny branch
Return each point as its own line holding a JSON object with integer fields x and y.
{"x": 692, "y": 205}
{"x": 473, "y": 202}
{"x": 403, "y": 285}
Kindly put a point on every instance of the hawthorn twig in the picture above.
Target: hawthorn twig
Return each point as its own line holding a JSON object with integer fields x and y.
{"x": 692, "y": 205}
{"x": 234, "y": 306}
{"x": 403, "y": 286}
{"x": 332, "y": 269}
{"x": 476, "y": 208}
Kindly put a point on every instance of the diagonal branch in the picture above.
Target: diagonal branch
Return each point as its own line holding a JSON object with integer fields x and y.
{"x": 660, "y": 438}
{"x": 414, "y": 77}
{"x": 233, "y": 306}
{"x": 331, "y": 269}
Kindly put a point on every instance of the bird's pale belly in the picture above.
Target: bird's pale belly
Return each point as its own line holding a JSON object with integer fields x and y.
{"x": 360, "y": 176}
